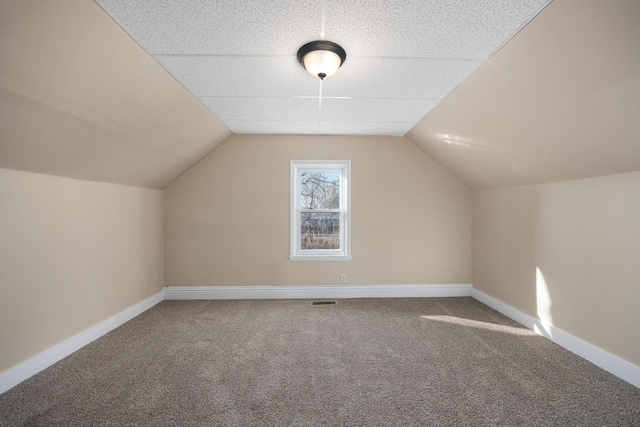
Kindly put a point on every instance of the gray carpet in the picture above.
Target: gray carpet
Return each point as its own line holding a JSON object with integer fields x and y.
{"x": 361, "y": 362}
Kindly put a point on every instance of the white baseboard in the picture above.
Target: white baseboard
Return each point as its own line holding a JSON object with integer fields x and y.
{"x": 607, "y": 361}
{"x": 30, "y": 367}
{"x": 14, "y": 376}
{"x": 329, "y": 291}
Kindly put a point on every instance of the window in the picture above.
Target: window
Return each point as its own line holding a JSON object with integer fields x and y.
{"x": 320, "y": 223}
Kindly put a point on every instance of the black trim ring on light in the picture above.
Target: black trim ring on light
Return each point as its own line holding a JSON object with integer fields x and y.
{"x": 321, "y": 45}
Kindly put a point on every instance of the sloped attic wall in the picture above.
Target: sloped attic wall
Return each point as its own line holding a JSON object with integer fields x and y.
{"x": 227, "y": 218}
{"x": 559, "y": 103}
{"x": 79, "y": 98}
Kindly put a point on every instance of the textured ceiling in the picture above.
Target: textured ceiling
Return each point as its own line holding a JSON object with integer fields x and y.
{"x": 403, "y": 57}
{"x": 559, "y": 101}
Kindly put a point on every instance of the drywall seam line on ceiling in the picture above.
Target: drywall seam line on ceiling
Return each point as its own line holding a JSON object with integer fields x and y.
{"x": 323, "y": 121}
{"x": 319, "y": 103}
{"x": 275, "y": 55}
{"x": 324, "y": 97}
{"x": 225, "y": 55}
{"x": 381, "y": 98}
{"x": 323, "y": 17}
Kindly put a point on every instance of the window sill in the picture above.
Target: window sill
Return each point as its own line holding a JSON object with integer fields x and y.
{"x": 320, "y": 257}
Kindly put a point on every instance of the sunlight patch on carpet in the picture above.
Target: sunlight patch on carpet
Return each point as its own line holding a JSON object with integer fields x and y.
{"x": 481, "y": 325}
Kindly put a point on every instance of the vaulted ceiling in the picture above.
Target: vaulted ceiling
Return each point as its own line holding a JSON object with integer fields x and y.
{"x": 140, "y": 100}
{"x": 403, "y": 57}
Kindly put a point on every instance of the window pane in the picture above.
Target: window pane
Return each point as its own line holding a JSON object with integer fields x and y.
{"x": 320, "y": 190}
{"x": 320, "y": 230}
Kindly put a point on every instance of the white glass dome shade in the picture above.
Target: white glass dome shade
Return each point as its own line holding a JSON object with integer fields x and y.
{"x": 321, "y": 58}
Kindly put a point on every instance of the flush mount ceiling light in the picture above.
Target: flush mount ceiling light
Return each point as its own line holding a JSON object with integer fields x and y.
{"x": 321, "y": 58}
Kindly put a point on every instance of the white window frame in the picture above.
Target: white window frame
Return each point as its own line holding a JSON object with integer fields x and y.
{"x": 342, "y": 254}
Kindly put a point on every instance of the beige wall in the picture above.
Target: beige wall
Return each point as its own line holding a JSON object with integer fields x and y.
{"x": 568, "y": 82}
{"x": 80, "y": 98}
{"x": 72, "y": 253}
{"x": 227, "y": 218}
{"x": 582, "y": 240}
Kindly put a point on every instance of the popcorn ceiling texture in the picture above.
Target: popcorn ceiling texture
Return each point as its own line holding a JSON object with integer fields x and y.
{"x": 397, "y": 52}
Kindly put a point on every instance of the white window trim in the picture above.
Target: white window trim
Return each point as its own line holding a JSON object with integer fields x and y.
{"x": 343, "y": 254}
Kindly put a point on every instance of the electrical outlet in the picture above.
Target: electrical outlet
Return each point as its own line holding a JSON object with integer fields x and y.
{"x": 343, "y": 278}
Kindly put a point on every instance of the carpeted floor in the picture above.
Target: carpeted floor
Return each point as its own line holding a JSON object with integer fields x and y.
{"x": 361, "y": 362}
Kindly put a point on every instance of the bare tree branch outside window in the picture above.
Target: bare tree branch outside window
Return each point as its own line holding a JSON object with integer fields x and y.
{"x": 319, "y": 195}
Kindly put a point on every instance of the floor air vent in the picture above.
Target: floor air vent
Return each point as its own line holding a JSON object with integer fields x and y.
{"x": 323, "y": 302}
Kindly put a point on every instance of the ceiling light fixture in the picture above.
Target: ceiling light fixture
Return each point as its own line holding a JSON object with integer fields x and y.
{"x": 321, "y": 58}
